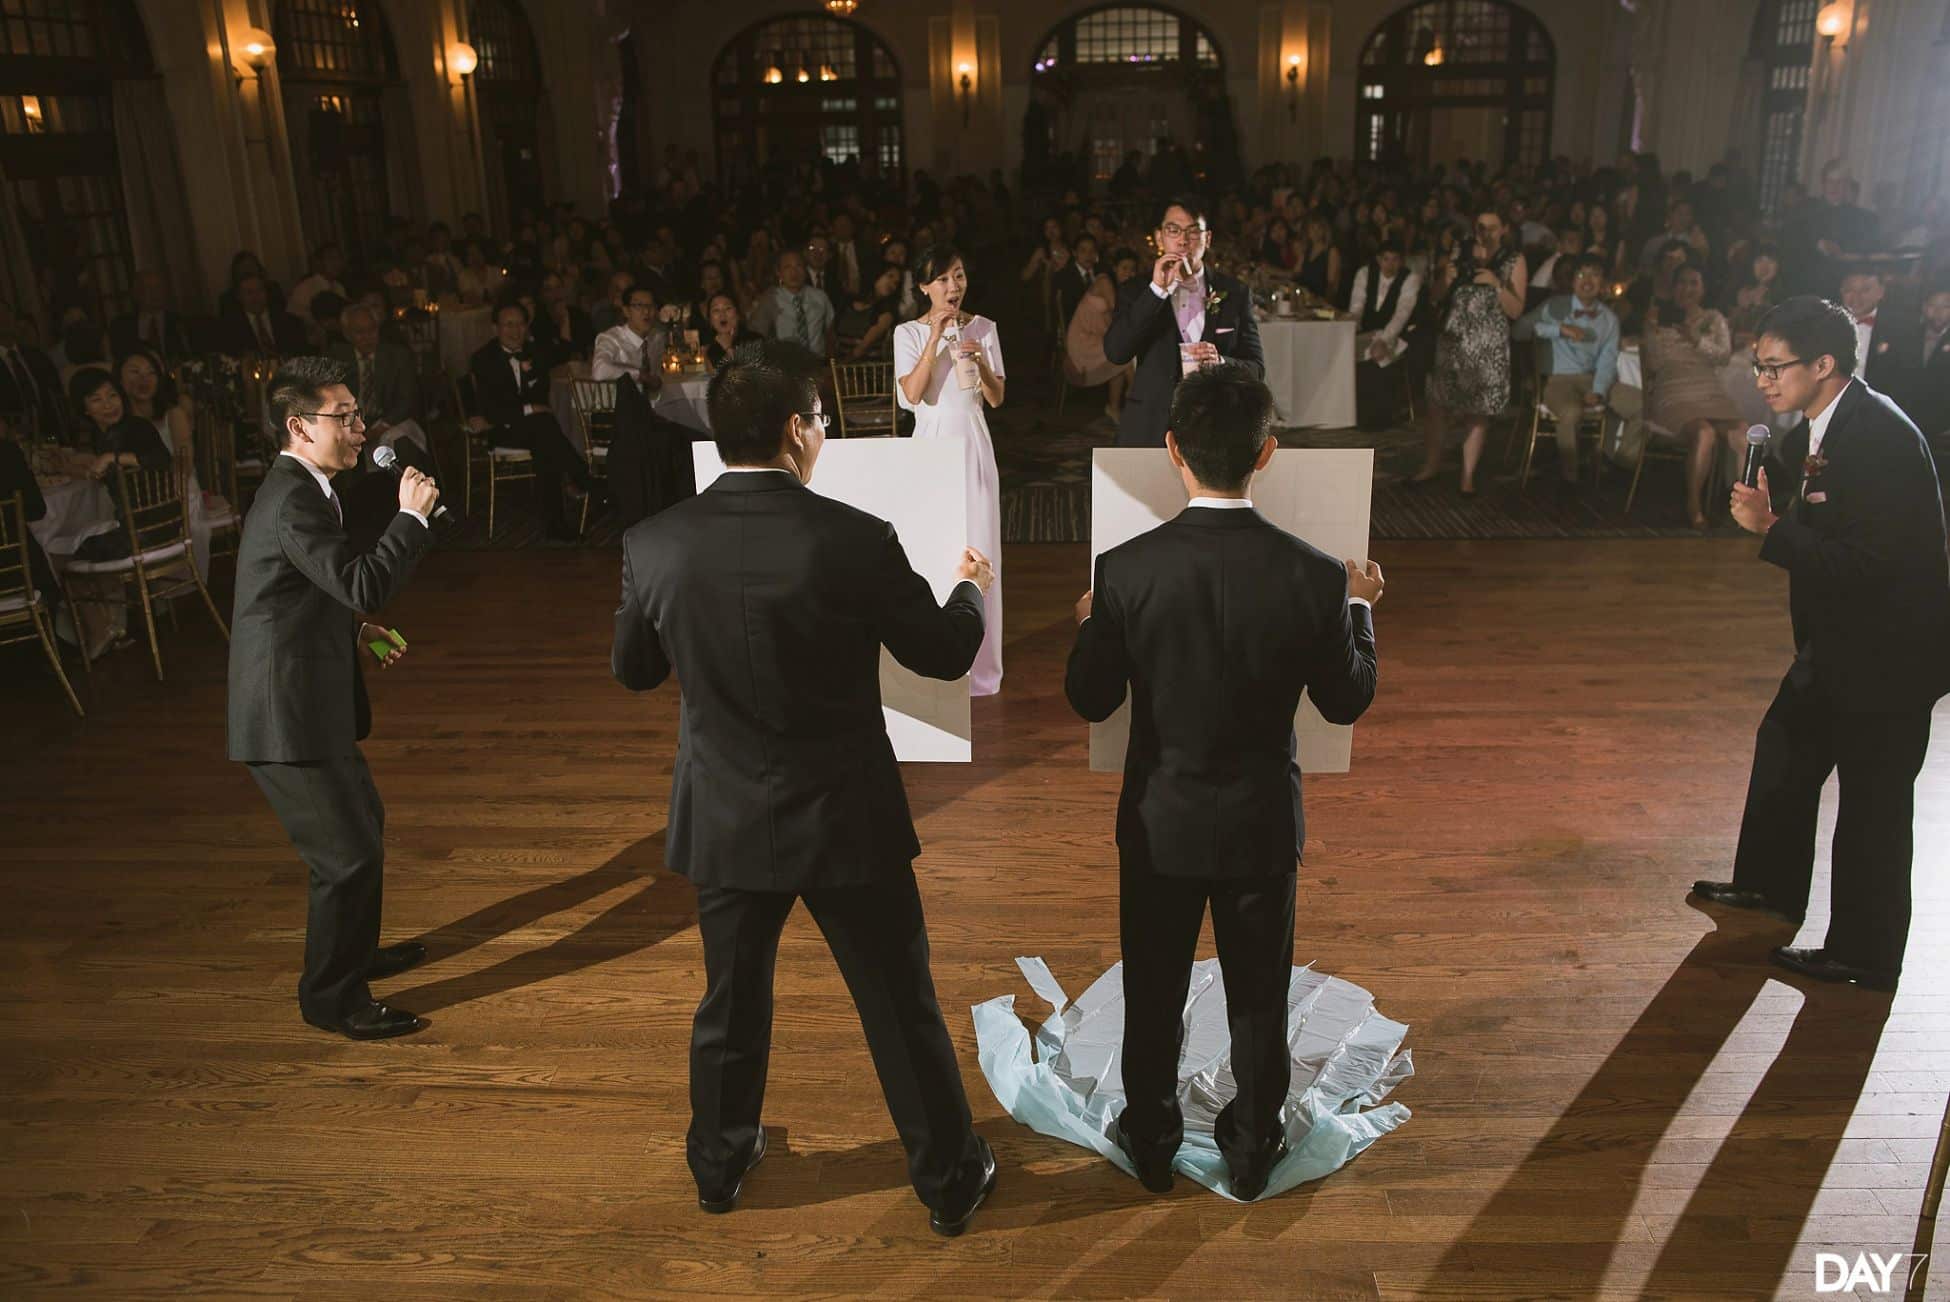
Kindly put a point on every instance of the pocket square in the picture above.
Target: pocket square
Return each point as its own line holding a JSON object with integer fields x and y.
{"x": 1817, "y": 498}
{"x": 1225, "y": 330}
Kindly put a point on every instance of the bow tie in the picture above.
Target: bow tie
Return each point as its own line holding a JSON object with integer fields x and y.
{"x": 1585, "y": 311}
{"x": 1868, "y": 320}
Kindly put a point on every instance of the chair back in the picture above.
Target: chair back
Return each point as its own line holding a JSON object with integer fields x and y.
{"x": 154, "y": 510}
{"x": 16, "y": 573}
{"x": 213, "y": 439}
{"x": 595, "y": 404}
{"x": 464, "y": 399}
{"x": 865, "y": 391}
{"x": 423, "y": 337}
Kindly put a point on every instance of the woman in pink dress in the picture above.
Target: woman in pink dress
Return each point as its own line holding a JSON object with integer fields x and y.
{"x": 1083, "y": 346}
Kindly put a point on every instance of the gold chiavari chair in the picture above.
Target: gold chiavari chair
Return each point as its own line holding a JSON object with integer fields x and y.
{"x": 1538, "y": 425}
{"x": 159, "y": 562}
{"x": 595, "y": 404}
{"x": 503, "y": 465}
{"x": 865, "y": 393}
{"x": 215, "y": 443}
{"x": 22, "y": 605}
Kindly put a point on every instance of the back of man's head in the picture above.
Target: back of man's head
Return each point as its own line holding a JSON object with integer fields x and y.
{"x": 1221, "y": 417}
{"x": 760, "y": 388}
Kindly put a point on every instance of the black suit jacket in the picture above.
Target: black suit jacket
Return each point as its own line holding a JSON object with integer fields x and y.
{"x": 48, "y": 403}
{"x": 1869, "y": 576}
{"x": 236, "y": 338}
{"x": 124, "y": 339}
{"x": 1215, "y": 622}
{"x": 771, "y": 603}
{"x": 1145, "y": 327}
{"x": 1921, "y": 386}
{"x": 1069, "y": 285}
{"x": 296, "y": 688}
{"x": 394, "y": 392}
{"x": 497, "y": 398}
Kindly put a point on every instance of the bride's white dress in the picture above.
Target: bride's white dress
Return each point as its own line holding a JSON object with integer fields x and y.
{"x": 947, "y": 411}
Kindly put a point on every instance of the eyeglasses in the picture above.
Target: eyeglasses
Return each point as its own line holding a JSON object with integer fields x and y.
{"x": 1771, "y": 371}
{"x": 1175, "y": 231}
{"x": 344, "y": 418}
{"x": 818, "y": 418}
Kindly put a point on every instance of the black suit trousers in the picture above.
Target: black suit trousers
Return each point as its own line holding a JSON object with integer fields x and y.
{"x": 879, "y": 940}
{"x": 1252, "y": 921}
{"x": 555, "y": 459}
{"x": 332, "y": 812}
{"x": 1802, "y": 739}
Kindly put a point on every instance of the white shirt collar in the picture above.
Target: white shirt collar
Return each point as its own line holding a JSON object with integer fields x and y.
{"x": 1223, "y": 503}
{"x": 324, "y": 484}
{"x": 636, "y": 340}
{"x": 1818, "y": 427}
{"x": 758, "y": 470}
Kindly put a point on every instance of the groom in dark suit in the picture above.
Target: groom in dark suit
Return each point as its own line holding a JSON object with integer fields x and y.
{"x": 298, "y": 707}
{"x": 1862, "y": 539}
{"x": 1184, "y": 301}
{"x": 1214, "y": 623}
{"x": 771, "y": 604}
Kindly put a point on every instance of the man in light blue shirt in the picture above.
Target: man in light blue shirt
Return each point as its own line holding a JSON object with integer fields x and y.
{"x": 801, "y": 312}
{"x": 1584, "y": 356}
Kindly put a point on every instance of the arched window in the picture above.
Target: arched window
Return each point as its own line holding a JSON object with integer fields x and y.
{"x": 806, "y": 87}
{"x": 513, "y": 101}
{"x": 69, "y": 241}
{"x": 1784, "y": 39}
{"x": 1452, "y": 79}
{"x": 336, "y": 63}
{"x": 1126, "y": 78}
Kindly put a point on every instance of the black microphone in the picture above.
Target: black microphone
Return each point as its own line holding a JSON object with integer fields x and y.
{"x": 1757, "y": 438}
{"x": 386, "y": 459}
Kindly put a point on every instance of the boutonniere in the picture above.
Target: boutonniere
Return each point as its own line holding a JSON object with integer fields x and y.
{"x": 1214, "y": 300}
{"x": 1883, "y": 347}
{"x": 1812, "y": 465}
{"x": 527, "y": 365}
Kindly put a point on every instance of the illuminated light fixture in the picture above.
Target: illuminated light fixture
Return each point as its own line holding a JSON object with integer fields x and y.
{"x": 462, "y": 58}
{"x": 773, "y": 76}
{"x": 826, "y": 72}
{"x": 1293, "y": 87}
{"x": 842, "y": 8}
{"x": 1832, "y": 21}
{"x": 30, "y": 108}
{"x": 967, "y": 83}
{"x": 804, "y": 76}
{"x": 258, "y": 47}
{"x": 1434, "y": 57}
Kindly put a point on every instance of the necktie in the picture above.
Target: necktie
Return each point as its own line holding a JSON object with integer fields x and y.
{"x": 23, "y": 378}
{"x": 799, "y": 318}
{"x": 365, "y": 380}
{"x": 264, "y": 341}
{"x": 1187, "y": 308}
{"x": 337, "y": 509}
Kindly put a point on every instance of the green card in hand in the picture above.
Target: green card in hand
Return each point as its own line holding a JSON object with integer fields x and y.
{"x": 381, "y": 649}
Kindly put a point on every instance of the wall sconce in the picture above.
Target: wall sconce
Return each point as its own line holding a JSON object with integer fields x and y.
{"x": 1832, "y": 21}
{"x": 1434, "y": 57}
{"x": 30, "y": 109}
{"x": 462, "y": 59}
{"x": 1293, "y": 62}
{"x": 258, "y": 47}
{"x": 967, "y": 85}
{"x": 804, "y": 76}
{"x": 826, "y": 72}
{"x": 773, "y": 75}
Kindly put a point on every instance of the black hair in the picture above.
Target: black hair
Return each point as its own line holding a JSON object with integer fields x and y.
{"x": 1589, "y": 260}
{"x": 166, "y": 395}
{"x": 1393, "y": 246}
{"x": 505, "y": 302}
{"x": 297, "y": 389}
{"x": 1812, "y": 326}
{"x": 754, "y": 394}
{"x": 85, "y": 382}
{"x": 1221, "y": 417}
{"x": 1191, "y": 204}
{"x": 325, "y": 305}
{"x": 934, "y": 260}
{"x": 1121, "y": 253}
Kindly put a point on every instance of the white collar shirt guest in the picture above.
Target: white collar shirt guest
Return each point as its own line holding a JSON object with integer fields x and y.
{"x": 1246, "y": 504}
{"x": 1404, "y": 306}
{"x": 803, "y": 318}
{"x": 849, "y": 264}
{"x": 1865, "y": 333}
{"x": 1187, "y": 304}
{"x": 622, "y": 351}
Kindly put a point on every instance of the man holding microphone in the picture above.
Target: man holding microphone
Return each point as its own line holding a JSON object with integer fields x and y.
{"x": 1862, "y": 540}
{"x": 298, "y": 706}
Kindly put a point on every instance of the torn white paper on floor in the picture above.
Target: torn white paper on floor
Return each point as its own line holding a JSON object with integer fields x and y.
{"x": 1347, "y": 1058}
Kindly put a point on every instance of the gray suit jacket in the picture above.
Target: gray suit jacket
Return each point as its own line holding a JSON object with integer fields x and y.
{"x": 296, "y": 690}
{"x": 394, "y": 394}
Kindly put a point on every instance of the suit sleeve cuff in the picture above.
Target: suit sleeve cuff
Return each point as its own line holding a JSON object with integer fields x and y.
{"x": 1360, "y": 601}
{"x": 407, "y": 510}
{"x": 1157, "y": 293}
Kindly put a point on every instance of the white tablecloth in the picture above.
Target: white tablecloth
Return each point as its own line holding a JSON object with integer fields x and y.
{"x": 1310, "y": 369}
{"x": 682, "y": 400}
{"x": 78, "y": 509}
{"x": 462, "y": 330}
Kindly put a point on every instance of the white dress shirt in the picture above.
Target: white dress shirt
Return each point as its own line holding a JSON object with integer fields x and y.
{"x": 325, "y": 487}
{"x": 1194, "y": 328}
{"x": 1398, "y": 322}
{"x": 1865, "y": 333}
{"x": 1246, "y": 504}
{"x": 1818, "y": 425}
{"x": 622, "y": 351}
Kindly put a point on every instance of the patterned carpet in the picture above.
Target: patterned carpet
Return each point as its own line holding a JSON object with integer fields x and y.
{"x": 1043, "y": 454}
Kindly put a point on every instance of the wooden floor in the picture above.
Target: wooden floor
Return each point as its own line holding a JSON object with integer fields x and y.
{"x": 1615, "y": 1095}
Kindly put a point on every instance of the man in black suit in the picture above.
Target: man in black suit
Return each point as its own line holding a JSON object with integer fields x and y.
{"x": 255, "y": 327}
{"x": 30, "y": 385}
{"x": 1214, "y": 623}
{"x": 152, "y": 325}
{"x": 1862, "y": 540}
{"x": 771, "y": 604}
{"x": 1922, "y": 382}
{"x": 511, "y": 399}
{"x": 298, "y": 706}
{"x": 385, "y": 381}
{"x": 1184, "y": 301}
{"x": 1071, "y": 282}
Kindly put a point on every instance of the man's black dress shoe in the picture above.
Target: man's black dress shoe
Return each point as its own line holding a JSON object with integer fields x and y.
{"x": 1734, "y": 898}
{"x": 951, "y": 1224}
{"x": 1253, "y": 1183}
{"x": 375, "y": 1021}
{"x": 1817, "y": 964}
{"x": 719, "y": 1206}
{"x": 1152, "y": 1176}
{"x": 391, "y": 960}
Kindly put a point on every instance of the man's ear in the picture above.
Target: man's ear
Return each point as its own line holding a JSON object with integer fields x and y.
{"x": 1171, "y": 450}
{"x": 1266, "y": 451}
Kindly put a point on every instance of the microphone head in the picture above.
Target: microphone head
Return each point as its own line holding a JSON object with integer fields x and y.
{"x": 385, "y": 458}
{"x": 1757, "y": 435}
